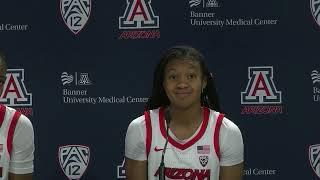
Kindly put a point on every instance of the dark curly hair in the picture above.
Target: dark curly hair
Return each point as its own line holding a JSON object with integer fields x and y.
{"x": 158, "y": 98}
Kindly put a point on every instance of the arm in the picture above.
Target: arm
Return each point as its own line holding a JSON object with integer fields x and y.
{"x": 231, "y": 172}
{"x": 22, "y": 155}
{"x": 135, "y": 151}
{"x": 136, "y": 170}
{"x": 232, "y": 148}
{"x": 20, "y": 176}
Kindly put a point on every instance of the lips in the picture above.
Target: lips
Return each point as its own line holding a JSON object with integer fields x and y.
{"x": 182, "y": 94}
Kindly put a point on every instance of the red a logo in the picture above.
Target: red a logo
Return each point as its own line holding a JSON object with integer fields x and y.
{"x": 260, "y": 88}
{"x": 138, "y": 15}
{"x": 14, "y": 91}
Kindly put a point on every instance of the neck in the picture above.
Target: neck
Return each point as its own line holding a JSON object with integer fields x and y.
{"x": 186, "y": 116}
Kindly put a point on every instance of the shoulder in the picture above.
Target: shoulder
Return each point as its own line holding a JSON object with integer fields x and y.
{"x": 140, "y": 121}
{"x": 137, "y": 125}
{"x": 23, "y": 124}
{"x": 227, "y": 124}
{"x": 137, "y": 122}
{"x": 231, "y": 143}
{"x": 23, "y": 120}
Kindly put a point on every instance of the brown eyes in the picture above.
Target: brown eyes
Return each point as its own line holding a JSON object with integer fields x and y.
{"x": 173, "y": 77}
{"x": 189, "y": 76}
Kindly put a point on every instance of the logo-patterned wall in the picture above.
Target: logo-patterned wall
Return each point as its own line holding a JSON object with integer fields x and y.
{"x": 81, "y": 70}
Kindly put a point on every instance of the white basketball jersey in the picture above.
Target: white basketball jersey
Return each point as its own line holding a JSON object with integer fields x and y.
{"x": 196, "y": 159}
{"x": 8, "y": 121}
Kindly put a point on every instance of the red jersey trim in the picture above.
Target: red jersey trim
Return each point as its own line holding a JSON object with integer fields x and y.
{"x": 2, "y": 114}
{"x": 12, "y": 127}
{"x": 192, "y": 141}
{"x": 217, "y": 134}
{"x": 148, "y": 132}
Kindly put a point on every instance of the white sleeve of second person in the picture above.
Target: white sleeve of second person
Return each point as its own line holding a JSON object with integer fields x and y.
{"x": 22, "y": 154}
{"x": 231, "y": 144}
{"x": 135, "y": 143}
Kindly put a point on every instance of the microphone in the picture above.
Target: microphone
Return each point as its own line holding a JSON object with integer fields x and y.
{"x": 162, "y": 168}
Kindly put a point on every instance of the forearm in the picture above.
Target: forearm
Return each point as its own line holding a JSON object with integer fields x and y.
{"x": 231, "y": 172}
{"x": 20, "y": 176}
{"x": 136, "y": 170}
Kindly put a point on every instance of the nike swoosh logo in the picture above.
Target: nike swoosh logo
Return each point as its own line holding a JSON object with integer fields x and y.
{"x": 157, "y": 149}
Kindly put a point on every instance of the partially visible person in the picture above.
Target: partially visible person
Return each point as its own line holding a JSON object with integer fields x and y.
{"x": 203, "y": 144}
{"x": 16, "y": 139}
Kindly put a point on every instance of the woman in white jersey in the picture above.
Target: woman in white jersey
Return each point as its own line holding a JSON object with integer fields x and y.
{"x": 201, "y": 142}
{"x": 16, "y": 139}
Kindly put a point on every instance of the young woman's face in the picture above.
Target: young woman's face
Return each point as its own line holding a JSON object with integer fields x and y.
{"x": 183, "y": 83}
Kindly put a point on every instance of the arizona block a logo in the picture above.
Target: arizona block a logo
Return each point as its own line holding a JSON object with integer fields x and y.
{"x": 14, "y": 90}
{"x": 260, "y": 88}
{"x": 75, "y": 13}
{"x": 74, "y": 160}
{"x": 138, "y": 15}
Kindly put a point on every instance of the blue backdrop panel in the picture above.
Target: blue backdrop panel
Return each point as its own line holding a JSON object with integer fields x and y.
{"x": 89, "y": 64}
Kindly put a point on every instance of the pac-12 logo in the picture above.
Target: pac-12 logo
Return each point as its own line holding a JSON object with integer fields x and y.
{"x": 14, "y": 90}
{"x": 74, "y": 160}
{"x": 314, "y": 158}
{"x": 261, "y": 88}
{"x": 315, "y": 10}
{"x": 75, "y": 13}
{"x": 138, "y": 15}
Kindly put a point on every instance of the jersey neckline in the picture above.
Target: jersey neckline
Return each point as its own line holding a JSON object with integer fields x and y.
{"x": 191, "y": 141}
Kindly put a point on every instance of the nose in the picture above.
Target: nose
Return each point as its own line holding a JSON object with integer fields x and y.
{"x": 182, "y": 83}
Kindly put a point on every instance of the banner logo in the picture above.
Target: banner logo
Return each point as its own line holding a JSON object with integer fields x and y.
{"x": 194, "y": 3}
{"x": 204, "y": 3}
{"x": 315, "y": 76}
{"x": 314, "y": 158}
{"x": 66, "y": 78}
{"x": 74, "y": 160}
{"x": 315, "y": 10}
{"x": 77, "y": 79}
{"x": 75, "y": 13}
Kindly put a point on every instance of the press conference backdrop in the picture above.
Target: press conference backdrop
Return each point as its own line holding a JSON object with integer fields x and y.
{"x": 81, "y": 70}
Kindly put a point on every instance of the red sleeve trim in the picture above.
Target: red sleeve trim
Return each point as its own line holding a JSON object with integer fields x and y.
{"x": 12, "y": 127}
{"x": 217, "y": 134}
{"x": 2, "y": 114}
{"x": 148, "y": 132}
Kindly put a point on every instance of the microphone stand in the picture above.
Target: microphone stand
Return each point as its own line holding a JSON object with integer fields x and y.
{"x": 162, "y": 166}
